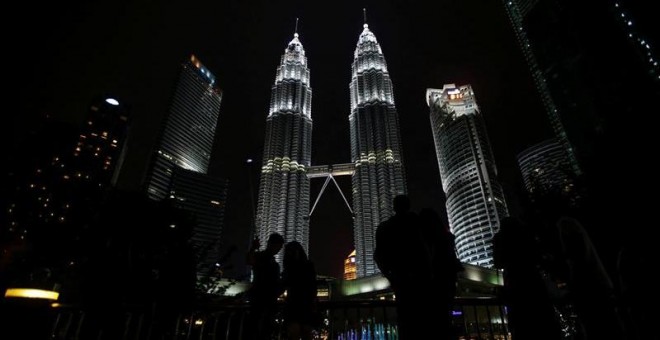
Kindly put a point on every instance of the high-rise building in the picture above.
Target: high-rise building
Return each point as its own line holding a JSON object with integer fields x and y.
{"x": 350, "y": 270}
{"x": 475, "y": 201}
{"x": 180, "y": 164}
{"x": 588, "y": 59}
{"x": 283, "y": 204}
{"x": 545, "y": 168}
{"x": 187, "y": 136}
{"x": 63, "y": 187}
{"x": 516, "y": 13}
{"x": 375, "y": 147}
{"x": 101, "y": 148}
{"x": 205, "y": 197}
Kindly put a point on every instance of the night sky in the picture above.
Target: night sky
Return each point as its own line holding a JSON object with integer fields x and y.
{"x": 70, "y": 53}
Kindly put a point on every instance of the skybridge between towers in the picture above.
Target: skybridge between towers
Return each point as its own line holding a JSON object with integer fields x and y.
{"x": 329, "y": 172}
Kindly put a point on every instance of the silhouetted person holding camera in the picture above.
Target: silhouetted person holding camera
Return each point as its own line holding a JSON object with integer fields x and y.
{"x": 402, "y": 257}
{"x": 299, "y": 279}
{"x": 266, "y": 285}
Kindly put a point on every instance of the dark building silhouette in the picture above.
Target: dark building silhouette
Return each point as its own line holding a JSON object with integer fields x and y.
{"x": 60, "y": 179}
{"x": 545, "y": 168}
{"x": 65, "y": 184}
{"x": 597, "y": 62}
{"x": 205, "y": 197}
{"x": 592, "y": 63}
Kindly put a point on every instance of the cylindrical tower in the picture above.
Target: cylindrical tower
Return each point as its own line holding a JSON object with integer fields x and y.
{"x": 283, "y": 205}
{"x": 375, "y": 148}
{"x": 475, "y": 201}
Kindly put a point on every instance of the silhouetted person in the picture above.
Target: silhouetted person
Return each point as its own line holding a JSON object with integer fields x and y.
{"x": 402, "y": 257}
{"x": 299, "y": 279}
{"x": 634, "y": 258}
{"x": 531, "y": 313}
{"x": 175, "y": 284}
{"x": 590, "y": 285}
{"x": 266, "y": 285}
{"x": 445, "y": 267}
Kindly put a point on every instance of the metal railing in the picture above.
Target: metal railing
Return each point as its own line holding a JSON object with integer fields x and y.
{"x": 342, "y": 320}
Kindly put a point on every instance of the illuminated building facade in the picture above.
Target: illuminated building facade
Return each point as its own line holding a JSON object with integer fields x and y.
{"x": 283, "y": 204}
{"x": 545, "y": 168}
{"x": 187, "y": 137}
{"x": 350, "y": 270}
{"x": 475, "y": 201}
{"x": 375, "y": 148}
{"x": 205, "y": 197}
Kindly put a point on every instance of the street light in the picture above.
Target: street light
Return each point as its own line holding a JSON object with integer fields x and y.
{"x": 249, "y": 163}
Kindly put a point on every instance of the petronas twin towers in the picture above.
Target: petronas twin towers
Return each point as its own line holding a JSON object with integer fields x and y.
{"x": 376, "y": 162}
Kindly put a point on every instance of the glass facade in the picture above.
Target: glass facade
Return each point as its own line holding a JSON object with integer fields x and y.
{"x": 375, "y": 148}
{"x": 187, "y": 137}
{"x": 517, "y": 10}
{"x": 475, "y": 201}
{"x": 545, "y": 168}
{"x": 283, "y": 204}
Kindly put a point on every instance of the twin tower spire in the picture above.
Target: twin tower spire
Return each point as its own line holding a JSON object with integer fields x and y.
{"x": 376, "y": 162}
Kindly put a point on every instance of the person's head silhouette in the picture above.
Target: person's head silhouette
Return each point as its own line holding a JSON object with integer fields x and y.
{"x": 275, "y": 243}
{"x": 401, "y": 204}
{"x": 294, "y": 254}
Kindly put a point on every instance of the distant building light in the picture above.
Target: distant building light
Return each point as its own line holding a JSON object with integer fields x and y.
{"x": 456, "y": 313}
{"x": 32, "y": 293}
{"x": 112, "y": 101}
{"x": 215, "y": 202}
{"x": 172, "y": 226}
{"x": 629, "y": 23}
{"x": 249, "y": 160}
{"x": 114, "y": 141}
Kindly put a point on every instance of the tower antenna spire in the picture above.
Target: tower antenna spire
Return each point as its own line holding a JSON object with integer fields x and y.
{"x": 364, "y": 14}
{"x": 295, "y": 32}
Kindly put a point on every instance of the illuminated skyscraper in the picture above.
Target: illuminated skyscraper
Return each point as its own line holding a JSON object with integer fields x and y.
{"x": 283, "y": 205}
{"x": 375, "y": 147}
{"x": 187, "y": 137}
{"x": 475, "y": 202}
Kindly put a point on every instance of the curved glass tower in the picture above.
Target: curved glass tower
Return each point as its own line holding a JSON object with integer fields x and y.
{"x": 283, "y": 205}
{"x": 475, "y": 201}
{"x": 375, "y": 147}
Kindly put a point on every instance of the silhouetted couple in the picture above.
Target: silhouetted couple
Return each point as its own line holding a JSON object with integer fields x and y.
{"x": 298, "y": 279}
{"x": 416, "y": 254}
